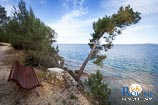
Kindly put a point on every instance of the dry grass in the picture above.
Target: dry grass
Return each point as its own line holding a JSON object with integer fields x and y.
{"x": 53, "y": 91}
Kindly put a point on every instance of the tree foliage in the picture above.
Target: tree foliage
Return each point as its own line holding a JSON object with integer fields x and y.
{"x": 105, "y": 30}
{"x": 109, "y": 27}
{"x": 3, "y": 15}
{"x": 97, "y": 89}
{"x": 27, "y": 32}
{"x": 3, "y": 21}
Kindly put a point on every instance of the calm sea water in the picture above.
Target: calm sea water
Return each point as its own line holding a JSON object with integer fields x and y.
{"x": 121, "y": 57}
{"x": 125, "y": 64}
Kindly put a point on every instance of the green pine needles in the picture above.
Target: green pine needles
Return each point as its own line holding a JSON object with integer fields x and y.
{"x": 28, "y": 33}
{"x": 105, "y": 30}
{"x": 97, "y": 89}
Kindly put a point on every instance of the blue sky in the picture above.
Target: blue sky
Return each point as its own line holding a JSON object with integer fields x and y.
{"x": 72, "y": 19}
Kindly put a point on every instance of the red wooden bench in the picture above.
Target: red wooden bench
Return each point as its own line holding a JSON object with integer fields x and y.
{"x": 24, "y": 76}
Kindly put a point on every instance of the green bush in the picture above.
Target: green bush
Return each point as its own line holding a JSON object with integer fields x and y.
{"x": 3, "y": 22}
{"x": 43, "y": 59}
{"x": 97, "y": 89}
{"x": 26, "y": 32}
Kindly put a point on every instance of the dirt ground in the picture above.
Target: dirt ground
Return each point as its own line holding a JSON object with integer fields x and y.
{"x": 47, "y": 94}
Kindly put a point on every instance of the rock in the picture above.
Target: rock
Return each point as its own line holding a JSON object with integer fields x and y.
{"x": 56, "y": 70}
{"x": 4, "y": 44}
{"x": 62, "y": 75}
{"x": 56, "y": 73}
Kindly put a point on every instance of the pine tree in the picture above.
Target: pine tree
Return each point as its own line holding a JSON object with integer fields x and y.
{"x": 27, "y": 32}
{"x": 97, "y": 89}
{"x": 3, "y": 21}
{"x": 108, "y": 28}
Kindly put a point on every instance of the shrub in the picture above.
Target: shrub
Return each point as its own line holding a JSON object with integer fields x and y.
{"x": 97, "y": 89}
{"x": 3, "y": 21}
{"x": 27, "y": 32}
{"x": 43, "y": 59}
{"x": 73, "y": 97}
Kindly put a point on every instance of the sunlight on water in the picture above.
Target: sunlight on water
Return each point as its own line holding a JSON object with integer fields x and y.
{"x": 125, "y": 64}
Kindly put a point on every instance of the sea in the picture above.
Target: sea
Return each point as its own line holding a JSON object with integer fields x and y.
{"x": 125, "y": 64}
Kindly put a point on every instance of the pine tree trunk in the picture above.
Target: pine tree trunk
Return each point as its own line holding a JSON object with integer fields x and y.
{"x": 85, "y": 62}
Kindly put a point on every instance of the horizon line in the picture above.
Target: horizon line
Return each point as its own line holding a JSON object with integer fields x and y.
{"x": 114, "y": 43}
